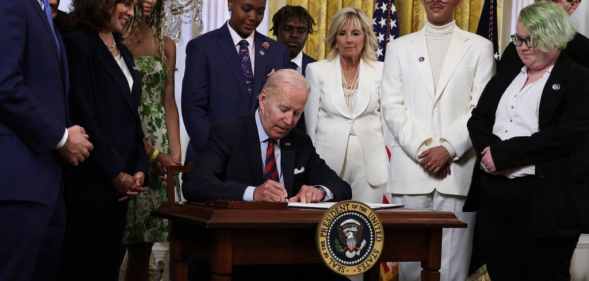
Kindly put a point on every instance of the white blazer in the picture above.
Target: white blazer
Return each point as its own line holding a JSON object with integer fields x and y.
{"x": 416, "y": 114}
{"x": 329, "y": 123}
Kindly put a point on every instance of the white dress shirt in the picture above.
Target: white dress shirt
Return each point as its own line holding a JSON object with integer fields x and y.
{"x": 517, "y": 113}
{"x": 250, "y": 40}
{"x": 125, "y": 69}
{"x": 298, "y": 60}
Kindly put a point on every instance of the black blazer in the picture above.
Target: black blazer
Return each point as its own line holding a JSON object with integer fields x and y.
{"x": 232, "y": 161}
{"x": 563, "y": 125}
{"x": 577, "y": 50}
{"x": 306, "y": 60}
{"x": 102, "y": 103}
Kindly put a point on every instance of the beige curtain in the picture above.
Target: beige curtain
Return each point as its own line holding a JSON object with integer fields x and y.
{"x": 412, "y": 15}
{"x": 410, "y": 12}
{"x": 322, "y": 11}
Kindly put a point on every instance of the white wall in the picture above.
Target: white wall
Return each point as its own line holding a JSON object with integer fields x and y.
{"x": 580, "y": 18}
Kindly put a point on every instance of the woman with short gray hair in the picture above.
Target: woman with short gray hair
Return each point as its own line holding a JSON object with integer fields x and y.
{"x": 527, "y": 129}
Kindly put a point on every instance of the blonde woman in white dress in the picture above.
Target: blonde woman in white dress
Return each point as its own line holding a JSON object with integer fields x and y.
{"x": 343, "y": 115}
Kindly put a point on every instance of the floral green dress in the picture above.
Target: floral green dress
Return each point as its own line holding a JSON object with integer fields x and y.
{"x": 142, "y": 227}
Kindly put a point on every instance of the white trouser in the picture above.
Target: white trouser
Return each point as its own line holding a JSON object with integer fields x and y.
{"x": 456, "y": 242}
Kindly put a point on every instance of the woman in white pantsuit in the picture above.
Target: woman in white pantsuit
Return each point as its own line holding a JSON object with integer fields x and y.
{"x": 343, "y": 114}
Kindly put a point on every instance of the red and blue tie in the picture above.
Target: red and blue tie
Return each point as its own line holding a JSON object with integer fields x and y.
{"x": 270, "y": 170}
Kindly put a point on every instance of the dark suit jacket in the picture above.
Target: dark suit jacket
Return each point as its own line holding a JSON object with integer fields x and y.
{"x": 63, "y": 22}
{"x": 102, "y": 103}
{"x": 576, "y": 50}
{"x": 33, "y": 104}
{"x": 306, "y": 60}
{"x": 214, "y": 88}
{"x": 232, "y": 161}
{"x": 563, "y": 125}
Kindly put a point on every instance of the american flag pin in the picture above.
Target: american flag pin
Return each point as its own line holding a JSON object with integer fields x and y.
{"x": 421, "y": 59}
{"x": 556, "y": 86}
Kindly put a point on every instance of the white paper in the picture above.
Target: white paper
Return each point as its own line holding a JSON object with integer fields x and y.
{"x": 327, "y": 205}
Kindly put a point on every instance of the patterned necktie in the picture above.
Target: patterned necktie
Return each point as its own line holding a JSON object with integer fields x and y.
{"x": 270, "y": 170}
{"x": 246, "y": 65}
{"x": 47, "y": 9}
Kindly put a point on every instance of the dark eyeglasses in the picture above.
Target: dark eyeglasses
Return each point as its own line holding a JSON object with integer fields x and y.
{"x": 518, "y": 41}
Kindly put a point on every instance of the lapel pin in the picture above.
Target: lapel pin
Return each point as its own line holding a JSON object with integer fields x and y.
{"x": 421, "y": 59}
{"x": 287, "y": 143}
{"x": 556, "y": 86}
{"x": 265, "y": 46}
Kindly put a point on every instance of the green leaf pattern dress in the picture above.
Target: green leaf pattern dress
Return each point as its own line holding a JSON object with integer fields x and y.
{"x": 141, "y": 225}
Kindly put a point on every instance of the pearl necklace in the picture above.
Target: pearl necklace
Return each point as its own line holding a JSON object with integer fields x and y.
{"x": 350, "y": 87}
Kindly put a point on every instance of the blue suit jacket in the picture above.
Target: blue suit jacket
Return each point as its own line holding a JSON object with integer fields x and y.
{"x": 306, "y": 60}
{"x": 214, "y": 87}
{"x": 33, "y": 104}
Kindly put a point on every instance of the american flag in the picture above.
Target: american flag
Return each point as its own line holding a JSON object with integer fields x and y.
{"x": 385, "y": 25}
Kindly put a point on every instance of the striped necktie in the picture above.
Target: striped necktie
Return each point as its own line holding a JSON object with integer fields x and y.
{"x": 270, "y": 170}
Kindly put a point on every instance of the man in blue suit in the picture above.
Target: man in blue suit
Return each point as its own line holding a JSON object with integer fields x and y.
{"x": 33, "y": 141}
{"x": 226, "y": 69}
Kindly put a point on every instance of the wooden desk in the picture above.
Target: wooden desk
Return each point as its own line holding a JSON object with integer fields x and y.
{"x": 227, "y": 237}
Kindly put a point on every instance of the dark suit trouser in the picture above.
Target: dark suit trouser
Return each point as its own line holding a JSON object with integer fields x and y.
{"x": 31, "y": 240}
{"x": 508, "y": 237}
{"x": 94, "y": 232}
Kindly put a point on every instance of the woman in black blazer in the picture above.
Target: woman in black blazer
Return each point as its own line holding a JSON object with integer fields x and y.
{"x": 104, "y": 98}
{"x": 527, "y": 129}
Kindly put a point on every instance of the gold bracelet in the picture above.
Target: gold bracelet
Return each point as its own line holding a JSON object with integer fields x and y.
{"x": 154, "y": 154}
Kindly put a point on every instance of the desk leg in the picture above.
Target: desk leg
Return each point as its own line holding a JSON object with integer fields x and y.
{"x": 178, "y": 262}
{"x": 222, "y": 257}
{"x": 430, "y": 267}
{"x": 373, "y": 274}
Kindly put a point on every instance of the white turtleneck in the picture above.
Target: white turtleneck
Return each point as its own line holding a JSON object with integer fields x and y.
{"x": 437, "y": 38}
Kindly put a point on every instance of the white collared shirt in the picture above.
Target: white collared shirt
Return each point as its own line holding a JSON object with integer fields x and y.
{"x": 250, "y": 40}
{"x": 125, "y": 69}
{"x": 518, "y": 112}
{"x": 263, "y": 138}
{"x": 298, "y": 60}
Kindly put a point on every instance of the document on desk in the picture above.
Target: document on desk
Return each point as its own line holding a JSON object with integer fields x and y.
{"x": 327, "y": 205}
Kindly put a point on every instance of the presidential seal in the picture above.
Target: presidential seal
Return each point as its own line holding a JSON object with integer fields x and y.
{"x": 350, "y": 238}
